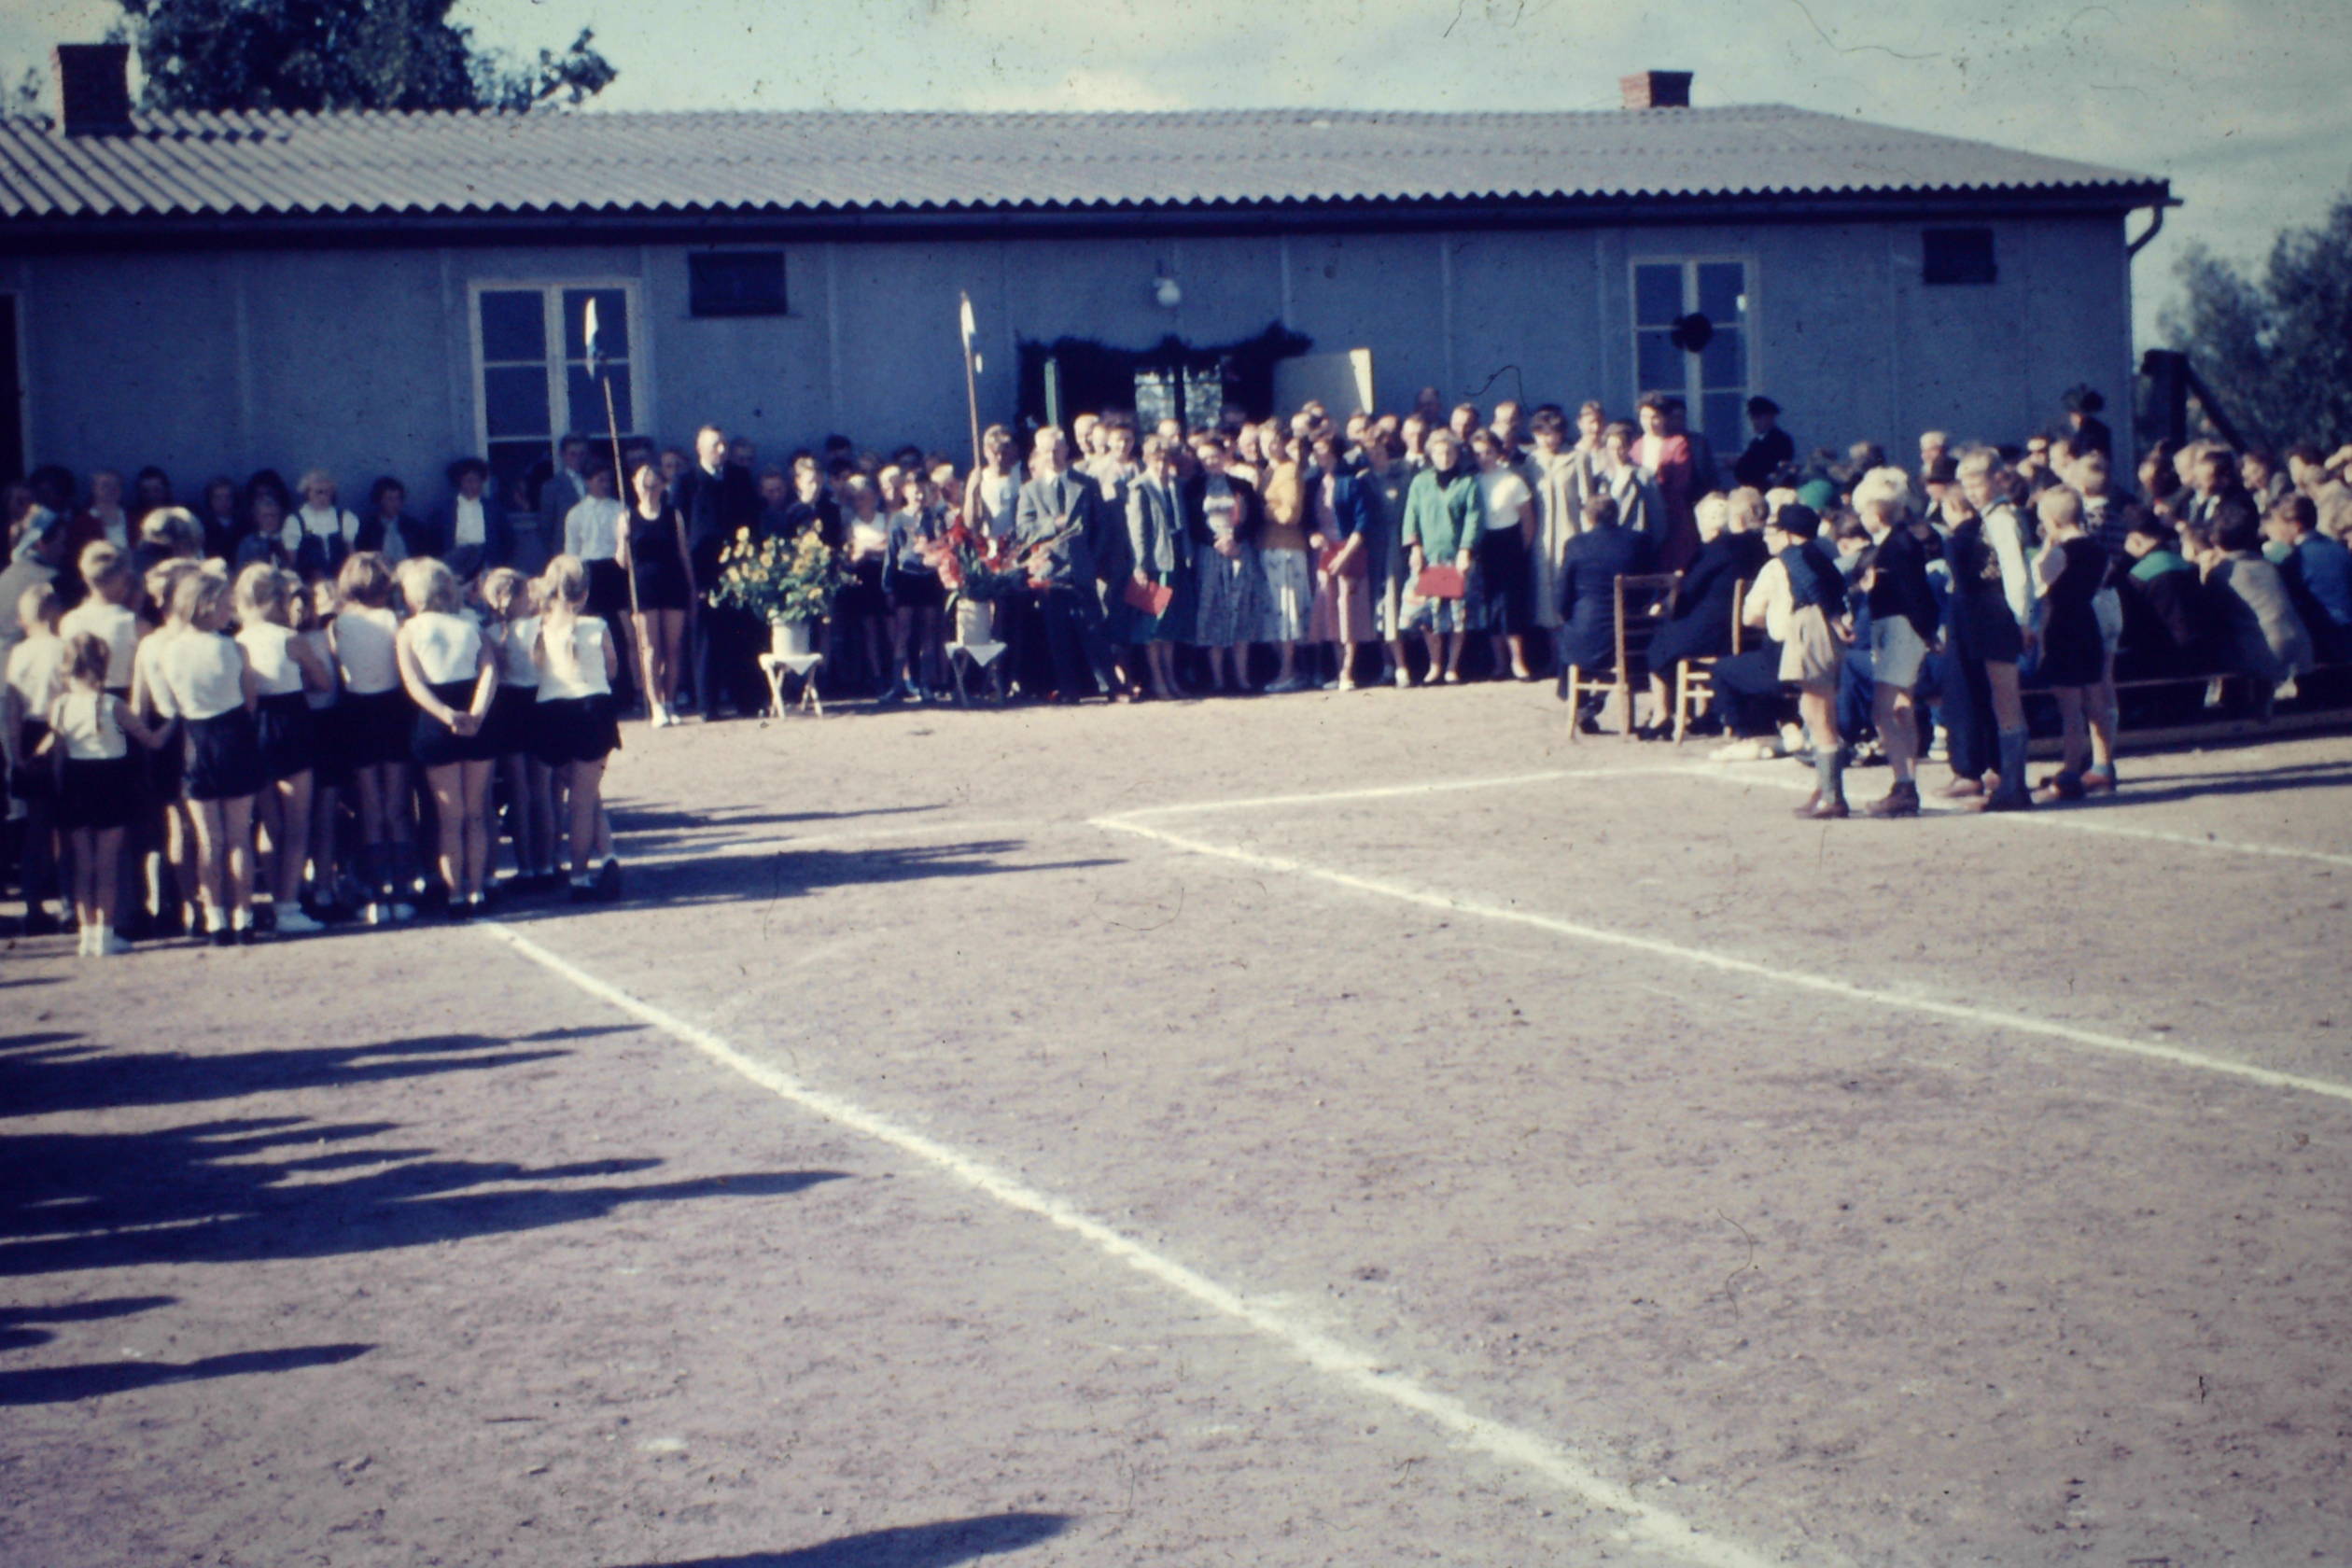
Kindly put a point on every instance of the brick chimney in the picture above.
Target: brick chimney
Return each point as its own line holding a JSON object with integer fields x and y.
{"x": 1656, "y": 89}
{"x": 94, "y": 88}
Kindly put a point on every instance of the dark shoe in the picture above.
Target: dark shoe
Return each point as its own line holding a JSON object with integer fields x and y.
{"x": 1902, "y": 800}
{"x": 247, "y": 936}
{"x": 224, "y": 937}
{"x": 2062, "y": 786}
{"x": 582, "y": 892}
{"x": 609, "y": 882}
{"x": 265, "y": 918}
{"x": 2009, "y": 800}
{"x": 40, "y": 922}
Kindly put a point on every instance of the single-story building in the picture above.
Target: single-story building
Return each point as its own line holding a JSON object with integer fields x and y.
{"x": 381, "y": 292}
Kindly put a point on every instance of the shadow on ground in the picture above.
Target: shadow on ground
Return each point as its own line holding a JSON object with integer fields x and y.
{"x": 251, "y": 1188}
{"x": 64, "y": 1385}
{"x": 913, "y": 1546}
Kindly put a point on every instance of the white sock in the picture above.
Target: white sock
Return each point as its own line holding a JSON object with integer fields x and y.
{"x": 240, "y": 919}
{"x": 214, "y": 921}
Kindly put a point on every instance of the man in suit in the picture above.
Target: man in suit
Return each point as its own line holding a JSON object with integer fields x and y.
{"x": 717, "y": 498}
{"x": 1590, "y": 563}
{"x": 1055, "y": 525}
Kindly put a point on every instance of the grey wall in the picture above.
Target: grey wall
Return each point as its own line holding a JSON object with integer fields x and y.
{"x": 225, "y": 361}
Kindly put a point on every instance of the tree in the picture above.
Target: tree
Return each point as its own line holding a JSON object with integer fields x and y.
{"x": 2276, "y": 345}
{"x": 340, "y": 54}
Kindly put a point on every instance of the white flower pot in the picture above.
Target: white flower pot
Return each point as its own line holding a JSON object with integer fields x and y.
{"x": 789, "y": 639}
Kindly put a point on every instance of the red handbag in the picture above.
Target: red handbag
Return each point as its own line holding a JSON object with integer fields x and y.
{"x": 1440, "y": 582}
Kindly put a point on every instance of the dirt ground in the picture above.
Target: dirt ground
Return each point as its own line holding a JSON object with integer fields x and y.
{"x": 1457, "y": 1144}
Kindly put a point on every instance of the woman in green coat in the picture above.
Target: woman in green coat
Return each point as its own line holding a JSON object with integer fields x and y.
{"x": 1444, "y": 513}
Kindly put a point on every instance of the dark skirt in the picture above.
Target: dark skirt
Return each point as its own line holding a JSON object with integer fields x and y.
{"x": 863, "y": 593}
{"x": 1504, "y": 582}
{"x": 433, "y": 744}
{"x": 508, "y": 730}
{"x": 99, "y": 794}
{"x": 574, "y": 729}
{"x": 1705, "y": 633}
{"x": 288, "y": 735}
{"x": 34, "y": 778}
{"x": 372, "y": 727}
{"x": 918, "y": 591}
{"x": 224, "y": 756}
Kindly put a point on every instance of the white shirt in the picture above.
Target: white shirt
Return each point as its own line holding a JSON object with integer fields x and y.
{"x": 591, "y": 529}
{"x": 1505, "y": 494}
{"x": 319, "y": 523}
{"x": 112, "y": 623}
{"x": 1769, "y": 603}
{"x": 518, "y": 663}
{"x": 466, "y": 526}
{"x": 37, "y": 674}
{"x": 364, "y": 650}
{"x": 588, "y": 649}
{"x": 85, "y": 723}
{"x": 2006, "y": 534}
{"x": 197, "y": 675}
{"x": 315, "y": 639}
{"x": 266, "y": 645}
{"x": 448, "y": 647}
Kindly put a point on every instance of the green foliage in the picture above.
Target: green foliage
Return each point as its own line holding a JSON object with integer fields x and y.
{"x": 340, "y": 54}
{"x": 2276, "y": 344}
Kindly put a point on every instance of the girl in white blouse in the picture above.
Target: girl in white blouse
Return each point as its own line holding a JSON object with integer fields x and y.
{"x": 89, "y": 728}
{"x": 286, "y": 668}
{"x": 203, "y": 683}
{"x": 512, "y": 628}
{"x": 451, "y": 675}
{"x": 577, "y": 661}
{"x": 373, "y": 720}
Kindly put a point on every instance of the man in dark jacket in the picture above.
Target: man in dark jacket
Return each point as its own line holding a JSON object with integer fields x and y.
{"x": 1589, "y": 565}
{"x": 1054, "y": 527}
{"x": 717, "y": 498}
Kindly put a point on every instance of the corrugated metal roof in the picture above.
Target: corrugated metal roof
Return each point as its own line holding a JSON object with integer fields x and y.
{"x": 358, "y": 163}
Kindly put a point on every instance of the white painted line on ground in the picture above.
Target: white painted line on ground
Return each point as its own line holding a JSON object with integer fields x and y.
{"x": 1395, "y": 792}
{"x": 2152, "y": 1050}
{"x": 2068, "y": 818}
{"x": 1531, "y": 1452}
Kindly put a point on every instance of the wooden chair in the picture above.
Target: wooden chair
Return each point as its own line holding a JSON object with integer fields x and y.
{"x": 1644, "y": 604}
{"x": 1694, "y": 683}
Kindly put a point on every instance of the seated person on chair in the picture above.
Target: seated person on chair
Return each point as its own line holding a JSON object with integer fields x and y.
{"x": 1701, "y": 624}
{"x": 1589, "y": 565}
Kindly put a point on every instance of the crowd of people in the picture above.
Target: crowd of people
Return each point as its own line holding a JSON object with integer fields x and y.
{"x": 347, "y": 710}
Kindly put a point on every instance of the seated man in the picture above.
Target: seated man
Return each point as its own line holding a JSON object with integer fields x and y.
{"x": 1589, "y": 565}
{"x": 2318, "y": 574}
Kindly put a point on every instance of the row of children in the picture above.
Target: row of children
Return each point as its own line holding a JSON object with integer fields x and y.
{"x": 261, "y": 709}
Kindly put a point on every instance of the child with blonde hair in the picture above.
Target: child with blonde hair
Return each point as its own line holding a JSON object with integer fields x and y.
{"x": 97, "y": 785}
{"x": 450, "y": 676}
{"x": 203, "y": 683}
{"x": 32, "y": 679}
{"x": 577, "y": 661}
{"x": 373, "y": 720}
{"x": 512, "y": 601}
{"x": 286, "y": 670}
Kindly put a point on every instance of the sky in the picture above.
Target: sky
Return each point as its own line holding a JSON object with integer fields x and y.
{"x": 2246, "y": 105}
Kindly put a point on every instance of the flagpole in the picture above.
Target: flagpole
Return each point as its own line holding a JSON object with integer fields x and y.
{"x": 972, "y": 390}
{"x": 621, "y": 487}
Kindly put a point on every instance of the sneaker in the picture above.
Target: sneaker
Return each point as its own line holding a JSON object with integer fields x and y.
{"x": 85, "y": 941}
{"x": 291, "y": 921}
{"x": 1404, "y": 678}
{"x": 109, "y": 945}
{"x": 1745, "y": 752}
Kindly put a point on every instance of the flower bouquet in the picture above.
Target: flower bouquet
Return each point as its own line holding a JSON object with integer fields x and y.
{"x": 781, "y": 581}
{"x": 978, "y": 568}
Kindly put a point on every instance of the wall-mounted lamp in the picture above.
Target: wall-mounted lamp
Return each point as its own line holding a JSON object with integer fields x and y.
{"x": 1165, "y": 290}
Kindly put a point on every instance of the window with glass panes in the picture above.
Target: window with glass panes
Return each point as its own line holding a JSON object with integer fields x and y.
{"x": 533, "y": 381}
{"x": 1714, "y": 382}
